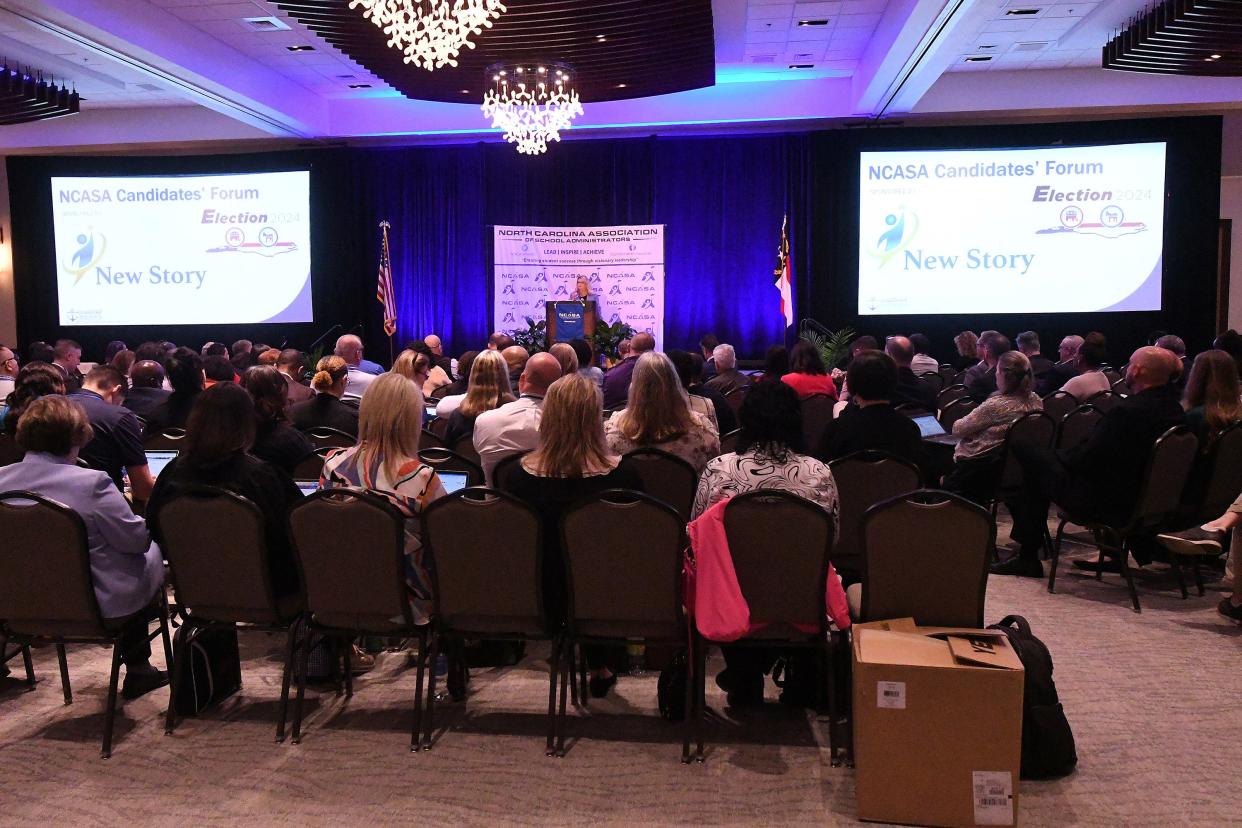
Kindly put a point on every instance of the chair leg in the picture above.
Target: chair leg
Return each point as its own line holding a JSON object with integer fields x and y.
{"x": 1125, "y": 570}
{"x": 1194, "y": 563}
{"x": 572, "y": 654}
{"x": 1176, "y": 561}
{"x": 303, "y": 669}
{"x": 554, "y": 669}
{"x": 347, "y": 653}
{"x": 688, "y": 706}
{"x": 995, "y": 549}
{"x": 64, "y": 673}
{"x": 830, "y": 674}
{"x": 583, "y": 689}
{"x": 163, "y": 619}
{"x": 701, "y": 692}
{"x": 110, "y": 712}
{"x": 1056, "y": 557}
{"x": 1099, "y": 564}
{"x": 29, "y": 665}
{"x": 178, "y": 670}
{"x": 431, "y": 693}
{"x": 567, "y": 677}
{"x": 417, "y": 732}
{"x": 286, "y": 675}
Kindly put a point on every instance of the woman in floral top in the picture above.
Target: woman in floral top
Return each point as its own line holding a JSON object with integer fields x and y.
{"x": 385, "y": 462}
{"x": 658, "y": 416}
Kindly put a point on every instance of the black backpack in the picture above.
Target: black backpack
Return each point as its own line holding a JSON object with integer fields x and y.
{"x": 212, "y": 670}
{"x": 1047, "y": 741}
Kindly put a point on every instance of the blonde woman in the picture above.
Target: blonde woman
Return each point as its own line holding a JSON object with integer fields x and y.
{"x": 571, "y": 462}
{"x": 385, "y": 462}
{"x": 658, "y": 415}
{"x": 325, "y": 409}
{"x": 417, "y": 364}
{"x": 564, "y": 353}
{"x": 488, "y": 390}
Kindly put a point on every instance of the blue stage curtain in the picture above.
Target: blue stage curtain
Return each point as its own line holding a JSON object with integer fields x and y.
{"x": 722, "y": 199}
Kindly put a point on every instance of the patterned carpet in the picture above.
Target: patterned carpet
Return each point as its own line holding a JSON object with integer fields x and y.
{"x": 1153, "y": 699}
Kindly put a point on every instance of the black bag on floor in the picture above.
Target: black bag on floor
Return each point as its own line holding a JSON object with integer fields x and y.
{"x": 212, "y": 670}
{"x": 1047, "y": 741}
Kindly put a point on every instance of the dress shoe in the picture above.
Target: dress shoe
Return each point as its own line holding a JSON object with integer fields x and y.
{"x": 1022, "y": 567}
{"x": 142, "y": 682}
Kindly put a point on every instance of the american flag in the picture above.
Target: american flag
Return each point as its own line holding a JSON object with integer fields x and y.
{"x": 784, "y": 275}
{"x": 384, "y": 292}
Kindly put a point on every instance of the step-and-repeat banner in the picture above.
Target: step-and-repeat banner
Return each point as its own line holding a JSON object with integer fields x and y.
{"x": 624, "y": 267}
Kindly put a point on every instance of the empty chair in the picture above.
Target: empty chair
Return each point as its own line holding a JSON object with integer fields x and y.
{"x": 350, "y": 547}
{"x": 325, "y": 437}
{"x": 620, "y": 591}
{"x": 948, "y": 374}
{"x": 168, "y": 439}
{"x": 934, "y": 381}
{"x": 728, "y": 442}
{"x": 926, "y": 557}
{"x": 216, "y": 546}
{"x": 816, "y": 417}
{"x": 1105, "y": 401}
{"x": 1077, "y": 426}
{"x": 665, "y": 477}
{"x": 955, "y": 411}
{"x": 441, "y": 459}
{"x": 949, "y": 394}
{"x": 1058, "y": 404}
{"x": 864, "y": 479}
{"x": 486, "y": 553}
{"x": 310, "y": 467}
{"x": 429, "y": 439}
{"x": 47, "y": 592}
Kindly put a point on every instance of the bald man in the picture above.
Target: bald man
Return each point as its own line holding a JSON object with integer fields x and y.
{"x": 910, "y": 389}
{"x": 515, "y": 357}
{"x": 1100, "y": 478}
{"x": 349, "y": 348}
{"x": 437, "y": 350}
{"x": 514, "y": 427}
{"x": 617, "y": 380}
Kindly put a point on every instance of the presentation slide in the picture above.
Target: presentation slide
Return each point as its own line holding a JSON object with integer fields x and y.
{"x": 183, "y": 250}
{"x": 1058, "y": 230}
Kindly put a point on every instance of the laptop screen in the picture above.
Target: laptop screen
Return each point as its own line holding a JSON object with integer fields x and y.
{"x": 308, "y": 487}
{"x": 928, "y": 425}
{"x": 157, "y": 460}
{"x": 453, "y": 481}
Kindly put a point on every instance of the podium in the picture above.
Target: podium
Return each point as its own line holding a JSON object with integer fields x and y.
{"x": 570, "y": 320}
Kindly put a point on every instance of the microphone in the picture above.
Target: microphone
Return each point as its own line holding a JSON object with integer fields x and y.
{"x": 324, "y": 336}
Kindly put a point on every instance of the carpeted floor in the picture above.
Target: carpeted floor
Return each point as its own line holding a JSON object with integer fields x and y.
{"x": 1153, "y": 699}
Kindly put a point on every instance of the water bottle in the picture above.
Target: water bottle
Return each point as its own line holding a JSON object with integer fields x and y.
{"x": 636, "y": 658}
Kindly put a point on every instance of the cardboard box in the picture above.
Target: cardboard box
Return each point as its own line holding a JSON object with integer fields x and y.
{"x": 937, "y": 725}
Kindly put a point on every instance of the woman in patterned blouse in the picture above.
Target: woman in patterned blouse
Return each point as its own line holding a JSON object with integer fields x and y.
{"x": 657, "y": 415}
{"x": 385, "y": 462}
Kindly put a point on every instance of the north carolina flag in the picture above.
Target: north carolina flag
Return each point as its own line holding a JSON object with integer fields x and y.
{"x": 384, "y": 292}
{"x": 784, "y": 275}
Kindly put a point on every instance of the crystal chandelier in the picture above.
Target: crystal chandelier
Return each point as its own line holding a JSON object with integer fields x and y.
{"x": 431, "y": 33}
{"x": 532, "y": 103}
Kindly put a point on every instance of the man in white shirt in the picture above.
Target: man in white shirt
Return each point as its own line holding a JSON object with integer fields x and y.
{"x": 923, "y": 362}
{"x": 8, "y": 372}
{"x": 1091, "y": 380}
{"x": 514, "y": 427}
{"x": 349, "y": 348}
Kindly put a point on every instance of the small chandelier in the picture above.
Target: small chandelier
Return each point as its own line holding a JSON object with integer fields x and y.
{"x": 532, "y": 103}
{"x": 431, "y": 33}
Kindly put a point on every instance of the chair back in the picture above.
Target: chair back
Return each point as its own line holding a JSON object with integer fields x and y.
{"x": 440, "y": 393}
{"x": 486, "y": 551}
{"x": 45, "y": 574}
{"x": 169, "y": 439}
{"x": 438, "y": 426}
{"x": 736, "y": 397}
{"x": 9, "y": 452}
{"x": 933, "y": 381}
{"x": 430, "y": 440}
{"x": 1077, "y": 426}
{"x": 350, "y": 548}
{"x": 728, "y": 442}
{"x": 1105, "y": 401}
{"x": 1122, "y": 387}
{"x": 1033, "y": 429}
{"x": 949, "y": 394}
{"x": 947, "y": 373}
{"x": 502, "y": 471}
{"x": 443, "y": 460}
{"x": 666, "y": 477}
{"x": 464, "y": 447}
{"x": 816, "y": 417}
{"x": 1058, "y": 404}
{"x": 1114, "y": 376}
{"x": 1168, "y": 470}
{"x": 955, "y": 411}
{"x": 1224, "y": 482}
{"x": 926, "y": 557}
{"x": 780, "y": 545}
{"x": 864, "y": 479}
{"x": 618, "y": 588}
{"x": 325, "y": 437}
{"x": 310, "y": 467}
{"x": 216, "y": 546}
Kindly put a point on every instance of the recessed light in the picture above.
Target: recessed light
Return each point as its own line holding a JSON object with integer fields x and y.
{"x": 812, "y": 22}
{"x": 601, "y": 38}
{"x": 302, "y": 48}
{"x": 1022, "y": 12}
{"x": 465, "y": 91}
{"x": 360, "y": 86}
{"x": 1215, "y": 57}
{"x": 802, "y": 66}
{"x": 979, "y": 59}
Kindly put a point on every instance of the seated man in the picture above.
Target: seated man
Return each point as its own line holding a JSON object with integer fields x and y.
{"x": 869, "y": 421}
{"x": 349, "y": 348}
{"x": 514, "y": 427}
{"x": 515, "y": 357}
{"x": 1028, "y": 344}
{"x": 923, "y": 362}
{"x": 727, "y": 377}
{"x": 1091, "y": 379}
{"x": 1062, "y": 370}
{"x": 146, "y": 390}
{"x": 1102, "y": 477}
{"x": 218, "y": 369}
{"x": 117, "y": 444}
{"x": 127, "y": 569}
{"x": 291, "y": 367}
{"x": 910, "y": 389}
{"x": 980, "y": 380}
{"x": 8, "y": 372}
{"x": 617, "y": 380}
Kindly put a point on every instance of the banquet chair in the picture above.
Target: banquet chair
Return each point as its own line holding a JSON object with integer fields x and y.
{"x": 168, "y": 439}
{"x": 1105, "y": 401}
{"x": 428, "y": 439}
{"x": 817, "y": 412}
{"x": 864, "y": 479}
{"x": 325, "y": 437}
{"x": 9, "y": 452}
{"x": 1077, "y": 426}
{"x": 465, "y": 448}
{"x": 666, "y": 477}
{"x": 310, "y": 467}
{"x": 441, "y": 459}
{"x": 955, "y": 411}
{"x": 1058, "y": 404}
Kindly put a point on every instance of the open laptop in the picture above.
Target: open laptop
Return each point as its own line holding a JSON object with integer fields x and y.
{"x": 307, "y": 487}
{"x": 933, "y": 432}
{"x": 157, "y": 460}
{"x": 453, "y": 481}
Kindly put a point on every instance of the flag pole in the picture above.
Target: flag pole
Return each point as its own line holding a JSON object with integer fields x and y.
{"x": 387, "y": 258}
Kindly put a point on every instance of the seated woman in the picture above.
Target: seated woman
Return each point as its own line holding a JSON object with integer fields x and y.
{"x": 768, "y": 457}
{"x": 657, "y": 415}
{"x": 977, "y": 460}
{"x": 275, "y": 440}
{"x": 1213, "y": 396}
{"x": 385, "y": 462}
{"x": 775, "y": 364}
{"x": 1089, "y": 362}
{"x": 967, "y": 345}
{"x": 417, "y": 364}
{"x": 34, "y": 380}
{"x": 455, "y": 392}
{"x": 703, "y": 400}
{"x": 587, "y": 362}
{"x": 325, "y": 409}
{"x": 214, "y": 452}
{"x": 572, "y": 461}
{"x": 126, "y": 568}
{"x": 566, "y": 357}
{"x": 807, "y": 374}
{"x": 489, "y": 389}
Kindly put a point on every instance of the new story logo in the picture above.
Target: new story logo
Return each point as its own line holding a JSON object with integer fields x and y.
{"x": 86, "y": 256}
{"x": 901, "y": 228}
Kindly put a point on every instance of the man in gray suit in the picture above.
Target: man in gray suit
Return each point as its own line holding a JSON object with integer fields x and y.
{"x": 126, "y": 567}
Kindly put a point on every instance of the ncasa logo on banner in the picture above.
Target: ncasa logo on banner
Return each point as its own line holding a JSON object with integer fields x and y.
{"x": 623, "y": 266}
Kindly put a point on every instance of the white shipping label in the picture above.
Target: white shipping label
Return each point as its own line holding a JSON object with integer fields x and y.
{"x": 993, "y": 797}
{"x": 890, "y": 694}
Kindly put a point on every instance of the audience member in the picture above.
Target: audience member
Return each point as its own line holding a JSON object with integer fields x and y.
{"x": 266, "y": 356}
{"x": 866, "y": 342}
{"x": 1213, "y": 398}
{"x": 34, "y": 380}
{"x": 1091, "y": 379}
{"x": 416, "y": 366}
{"x": 67, "y": 357}
{"x": 775, "y": 364}
{"x": 979, "y": 457}
{"x": 707, "y": 347}
{"x": 185, "y": 374}
{"x": 9, "y": 367}
{"x": 436, "y": 347}
{"x": 349, "y": 348}
{"x": 127, "y": 570}
{"x": 980, "y": 379}
{"x": 218, "y": 369}
{"x": 711, "y": 404}
{"x": 430, "y": 375}
{"x": 870, "y": 422}
{"x": 1028, "y": 345}
{"x": 112, "y": 349}
{"x": 1100, "y": 478}
{"x": 623, "y": 351}
{"x": 117, "y": 445}
{"x": 910, "y": 389}
{"x": 923, "y": 362}
{"x": 146, "y": 389}
{"x": 807, "y": 374}
{"x": 967, "y": 345}
{"x": 1064, "y": 369}
{"x": 570, "y": 462}
{"x": 1210, "y": 538}
{"x": 499, "y": 341}
{"x": 1174, "y": 345}
{"x": 586, "y": 362}
{"x": 516, "y": 356}
{"x": 658, "y": 415}
{"x": 459, "y": 385}
{"x": 385, "y": 461}
{"x": 514, "y": 427}
{"x": 325, "y": 409}
{"x": 566, "y": 356}
{"x": 290, "y": 364}
{"x": 242, "y": 356}
{"x": 215, "y": 452}
{"x": 1230, "y": 342}
{"x": 122, "y": 361}
{"x": 210, "y": 349}
{"x": 275, "y": 440}
{"x": 617, "y": 380}
{"x": 727, "y": 377}
{"x": 489, "y": 390}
